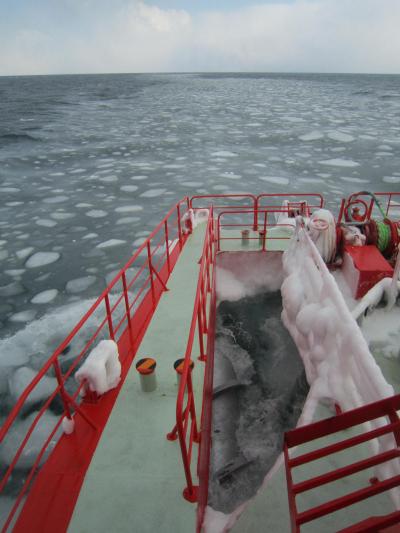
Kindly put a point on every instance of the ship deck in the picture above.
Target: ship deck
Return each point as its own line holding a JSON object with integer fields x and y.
{"x": 135, "y": 479}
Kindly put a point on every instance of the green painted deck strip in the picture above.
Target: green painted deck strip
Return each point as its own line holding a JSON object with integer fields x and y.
{"x": 136, "y": 477}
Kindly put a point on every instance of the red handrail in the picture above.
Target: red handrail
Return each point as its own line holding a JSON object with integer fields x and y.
{"x": 386, "y": 196}
{"x": 388, "y": 408}
{"x": 265, "y": 225}
{"x": 119, "y": 310}
{"x": 186, "y": 412}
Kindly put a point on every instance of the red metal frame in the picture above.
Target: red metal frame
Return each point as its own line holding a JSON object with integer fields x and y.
{"x": 386, "y": 196}
{"x": 123, "y": 316}
{"x": 203, "y": 466}
{"x": 265, "y": 225}
{"x": 314, "y": 200}
{"x": 383, "y": 408}
{"x": 185, "y": 405}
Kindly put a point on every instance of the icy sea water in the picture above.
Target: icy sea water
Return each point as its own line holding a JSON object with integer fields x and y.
{"x": 89, "y": 164}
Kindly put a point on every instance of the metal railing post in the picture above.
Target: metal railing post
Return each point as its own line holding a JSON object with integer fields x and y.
{"x": 128, "y": 312}
{"x": 109, "y": 317}
{"x": 167, "y": 245}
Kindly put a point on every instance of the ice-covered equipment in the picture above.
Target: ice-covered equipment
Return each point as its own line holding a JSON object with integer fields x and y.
{"x": 322, "y": 230}
{"x": 102, "y": 368}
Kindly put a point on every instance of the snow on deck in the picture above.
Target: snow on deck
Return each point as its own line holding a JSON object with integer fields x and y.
{"x": 136, "y": 477}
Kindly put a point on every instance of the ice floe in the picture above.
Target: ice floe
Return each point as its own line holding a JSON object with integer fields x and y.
{"x": 340, "y": 163}
{"x": 77, "y": 285}
{"x": 22, "y": 254}
{"x": 275, "y": 179}
{"x": 96, "y": 213}
{"x": 46, "y": 223}
{"x": 312, "y": 136}
{"x": 129, "y": 188}
{"x": 41, "y": 259}
{"x": 110, "y": 243}
{"x": 340, "y": 136}
{"x": 153, "y": 193}
{"x": 128, "y": 208}
{"x": 45, "y": 297}
{"x": 55, "y": 199}
{"x": 23, "y": 316}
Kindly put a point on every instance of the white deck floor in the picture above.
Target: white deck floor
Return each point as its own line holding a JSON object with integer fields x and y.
{"x": 136, "y": 477}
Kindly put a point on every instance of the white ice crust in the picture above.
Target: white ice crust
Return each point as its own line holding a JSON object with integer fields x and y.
{"x": 102, "y": 368}
{"x": 339, "y": 366}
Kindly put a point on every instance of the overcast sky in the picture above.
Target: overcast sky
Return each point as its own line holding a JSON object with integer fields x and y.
{"x": 88, "y": 36}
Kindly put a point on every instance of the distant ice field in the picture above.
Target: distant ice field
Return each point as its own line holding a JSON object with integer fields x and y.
{"x": 90, "y": 164}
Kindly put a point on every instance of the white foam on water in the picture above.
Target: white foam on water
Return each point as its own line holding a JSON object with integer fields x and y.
{"x": 80, "y": 284}
{"x": 46, "y": 223}
{"x": 340, "y": 163}
{"x": 23, "y": 316}
{"x": 96, "y": 213}
{"x": 44, "y": 297}
{"x": 340, "y": 136}
{"x": 110, "y": 243}
{"x": 128, "y": 208}
{"x": 55, "y": 199}
{"x": 41, "y": 259}
{"x": 129, "y": 188}
{"x": 223, "y": 153}
{"x": 153, "y": 193}
{"x": 312, "y": 136}
{"x": 275, "y": 179}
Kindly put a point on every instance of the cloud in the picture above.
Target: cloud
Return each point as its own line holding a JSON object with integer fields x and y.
{"x": 306, "y": 35}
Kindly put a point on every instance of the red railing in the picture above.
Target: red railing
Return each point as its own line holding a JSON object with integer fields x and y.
{"x": 243, "y": 201}
{"x": 203, "y": 467}
{"x": 363, "y": 200}
{"x": 384, "y": 408}
{"x": 312, "y": 200}
{"x": 121, "y": 313}
{"x": 186, "y": 428}
{"x": 263, "y": 236}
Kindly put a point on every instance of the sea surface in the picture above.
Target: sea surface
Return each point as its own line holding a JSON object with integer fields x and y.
{"x": 88, "y": 160}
